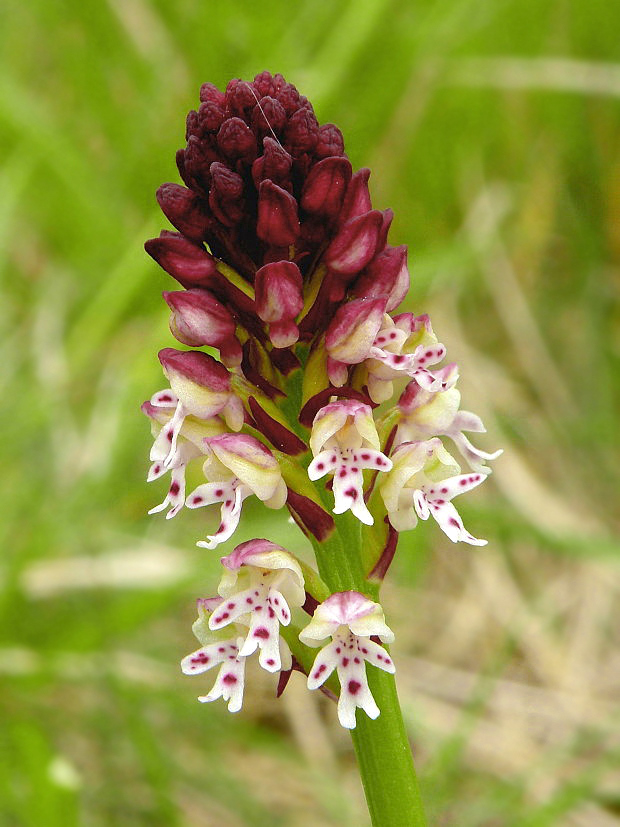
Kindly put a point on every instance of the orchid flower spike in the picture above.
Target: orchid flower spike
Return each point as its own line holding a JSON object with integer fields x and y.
{"x": 344, "y": 441}
{"x": 423, "y": 481}
{"x": 349, "y": 619}
{"x": 237, "y": 465}
{"x": 260, "y": 583}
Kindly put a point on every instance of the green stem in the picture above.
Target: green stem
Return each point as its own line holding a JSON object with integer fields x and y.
{"x": 382, "y": 747}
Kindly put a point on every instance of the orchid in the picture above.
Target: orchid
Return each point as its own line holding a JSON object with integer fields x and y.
{"x": 349, "y": 619}
{"x": 285, "y": 269}
{"x": 236, "y": 466}
{"x": 261, "y": 581}
{"x": 425, "y": 414}
{"x": 344, "y": 441}
{"x": 423, "y": 481}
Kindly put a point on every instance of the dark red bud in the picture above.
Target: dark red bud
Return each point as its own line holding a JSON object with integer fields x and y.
{"x": 386, "y": 274}
{"x": 287, "y": 95}
{"x": 198, "y": 318}
{"x": 211, "y": 94}
{"x": 278, "y": 223}
{"x": 226, "y": 194}
{"x": 275, "y": 164}
{"x": 184, "y": 209}
{"x": 197, "y": 160}
{"x": 187, "y": 262}
{"x": 325, "y": 186}
{"x": 239, "y": 98}
{"x": 355, "y": 244}
{"x": 329, "y": 142}
{"x": 268, "y": 115}
{"x": 196, "y": 366}
{"x": 263, "y": 84}
{"x": 236, "y": 140}
{"x": 211, "y": 115}
{"x": 301, "y": 133}
{"x": 357, "y": 200}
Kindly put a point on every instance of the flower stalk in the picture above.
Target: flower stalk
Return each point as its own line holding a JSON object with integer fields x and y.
{"x": 287, "y": 271}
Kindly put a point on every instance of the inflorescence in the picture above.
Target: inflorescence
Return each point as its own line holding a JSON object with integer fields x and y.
{"x": 287, "y": 273}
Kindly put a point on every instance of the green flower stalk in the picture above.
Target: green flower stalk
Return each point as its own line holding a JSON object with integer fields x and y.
{"x": 287, "y": 272}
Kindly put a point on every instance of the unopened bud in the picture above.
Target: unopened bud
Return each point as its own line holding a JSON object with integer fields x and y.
{"x": 355, "y": 244}
{"x": 278, "y": 223}
{"x": 279, "y": 299}
{"x": 325, "y": 187}
{"x": 187, "y": 262}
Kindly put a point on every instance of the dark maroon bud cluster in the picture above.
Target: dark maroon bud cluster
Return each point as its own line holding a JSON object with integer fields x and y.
{"x": 274, "y": 225}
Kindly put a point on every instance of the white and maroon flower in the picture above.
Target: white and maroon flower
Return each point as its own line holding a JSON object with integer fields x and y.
{"x": 189, "y": 445}
{"x": 344, "y": 442}
{"x": 424, "y": 414}
{"x": 200, "y": 387}
{"x": 198, "y": 319}
{"x": 406, "y": 345}
{"x": 237, "y": 465}
{"x": 423, "y": 481}
{"x": 351, "y": 334}
{"x": 349, "y": 619}
{"x": 260, "y": 584}
{"x": 218, "y": 649}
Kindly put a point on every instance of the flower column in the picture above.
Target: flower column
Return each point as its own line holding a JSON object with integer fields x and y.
{"x": 286, "y": 271}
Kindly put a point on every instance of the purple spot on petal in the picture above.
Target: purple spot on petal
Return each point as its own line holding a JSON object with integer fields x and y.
{"x": 249, "y": 600}
{"x": 174, "y": 489}
{"x": 320, "y": 466}
{"x": 262, "y": 633}
{"x": 196, "y": 500}
{"x": 270, "y": 662}
{"x": 345, "y": 662}
{"x": 444, "y": 490}
{"x": 454, "y": 522}
{"x": 200, "y": 658}
{"x": 351, "y": 492}
{"x": 229, "y": 679}
{"x": 354, "y": 687}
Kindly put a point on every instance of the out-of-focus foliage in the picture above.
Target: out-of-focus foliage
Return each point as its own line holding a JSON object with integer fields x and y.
{"x": 492, "y": 129}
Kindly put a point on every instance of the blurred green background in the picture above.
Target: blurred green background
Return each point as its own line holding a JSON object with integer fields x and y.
{"x": 492, "y": 130}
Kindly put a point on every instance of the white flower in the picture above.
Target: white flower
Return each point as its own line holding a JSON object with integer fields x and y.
{"x": 423, "y": 480}
{"x": 425, "y": 414}
{"x": 260, "y": 583}
{"x": 344, "y": 441}
{"x": 237, "y": 465}
{"x": 349, "y": 619}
